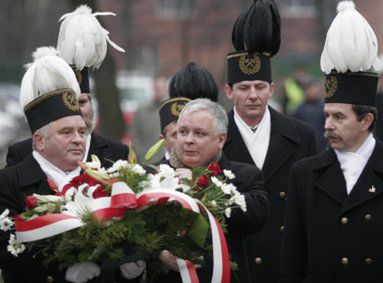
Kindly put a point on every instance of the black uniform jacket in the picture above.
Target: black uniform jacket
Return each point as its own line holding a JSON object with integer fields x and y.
{"x": 105, "y": 149}
{"x": 17, "y": 182}
{"x": 331, "y": 236}
{"x": 249, "y": 182}
{"x": 290, "y": 141}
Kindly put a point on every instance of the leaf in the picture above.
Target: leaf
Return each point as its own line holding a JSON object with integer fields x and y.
{"x": 132, "y": 158}
{"x": 198, "y": 230}
{"x": 154, "y": 150}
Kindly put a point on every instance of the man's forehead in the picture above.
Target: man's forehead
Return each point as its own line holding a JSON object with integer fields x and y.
{"x": 337, "y": 107}
{"x": 255, "y": 82}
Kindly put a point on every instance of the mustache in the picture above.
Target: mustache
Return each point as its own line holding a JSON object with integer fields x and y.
{"x": 330, "y": 135}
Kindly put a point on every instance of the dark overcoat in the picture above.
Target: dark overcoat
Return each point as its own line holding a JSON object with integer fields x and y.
{"x": 249, "y": 182}
{"x": 105, "y": 149}
{"x": 330, "y": 236}
{"x": 290, "y": 141}
{"x": 17, "y": 182}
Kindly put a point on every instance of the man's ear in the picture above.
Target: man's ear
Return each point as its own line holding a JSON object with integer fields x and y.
{"x": 367, "y": 121}
{"x": 38, "y": 141}
{"x": 229, "y": 92}
{"x": 271, "y": 89}
{"x": 222, "y": 139}
{"x": 161, "y": 136}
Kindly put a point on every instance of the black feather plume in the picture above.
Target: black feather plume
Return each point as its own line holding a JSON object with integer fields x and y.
{"x": 258, "y": 29}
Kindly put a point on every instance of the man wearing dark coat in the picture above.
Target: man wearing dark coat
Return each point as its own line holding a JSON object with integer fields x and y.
{"x": 201, "y": 133}
{"x": 258, "y": 134}
{"x": 333, "y": 230}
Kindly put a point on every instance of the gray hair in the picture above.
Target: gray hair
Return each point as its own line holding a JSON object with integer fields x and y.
{"x": 43, "y": 132}
{"x": 220, "y": 120}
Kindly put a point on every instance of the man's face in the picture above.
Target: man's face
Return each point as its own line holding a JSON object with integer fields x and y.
{"x": 64, "y": 142}
{"x": 87, "y": 112}
{"x": 342, "y": 129}
{"x": 197, "y": 141}
{"x": 250, "y": 99}
{"x": 170, "y": 135}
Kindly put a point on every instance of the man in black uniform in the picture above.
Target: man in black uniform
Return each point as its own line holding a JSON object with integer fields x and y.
{"x": 333, "y": 230}
{"x": 257, "y": 133}
{"x": 85, "y": 31}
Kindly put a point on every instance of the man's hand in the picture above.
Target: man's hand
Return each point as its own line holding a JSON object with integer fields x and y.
{"x": 169, "y": 260}
{"x": 82, "y": 272}
{"x": 133, "y": 269}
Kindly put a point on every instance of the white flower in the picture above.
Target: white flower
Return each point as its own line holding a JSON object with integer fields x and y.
{"x": 4, "y": 214}
{"x": 138, "y": 169}
{"x": 228, "y": 174}
{"x": 239, "y": 199}
{"x": 6, "y": 223}
{"x": 213, "y": 203}
{"x": 70, "y": 193}
{"x": 166, "y": 171}
{"x": 48, "y": 198}
{"x": 78, "y": 206}
{"x": 228, "y": 212}
{"x": 118, "y": 165}
{"x": 216, "y": 182}
{"x": 227, "y": 188}
{"x": 14, "y": 247}
{"x": 47, "y": 207}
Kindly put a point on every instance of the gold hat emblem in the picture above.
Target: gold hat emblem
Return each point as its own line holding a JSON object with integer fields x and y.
{"x": 250, "y": 65}
{"x": 70, "y": 101}
{"x": 176, "y": 108}
{"x": 331, "y": 85}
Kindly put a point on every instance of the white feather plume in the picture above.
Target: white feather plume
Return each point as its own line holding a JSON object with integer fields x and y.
{"x": 351, "y": 44}
{"x": 82, "y": 40}
{"x": 47, "y": 73}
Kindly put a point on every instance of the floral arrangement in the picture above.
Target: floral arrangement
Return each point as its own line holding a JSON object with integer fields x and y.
{"x": 126, "y": 213}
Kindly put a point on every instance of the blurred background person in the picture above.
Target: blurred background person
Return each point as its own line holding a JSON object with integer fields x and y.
{"x": 146, "y": 125}
{"x": 311, "y": 111}
{"x": 169, "y": 112}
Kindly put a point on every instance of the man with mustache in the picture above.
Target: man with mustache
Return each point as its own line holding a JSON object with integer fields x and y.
{"x": 258, "y": 134}
{"x": 333, "y": 227}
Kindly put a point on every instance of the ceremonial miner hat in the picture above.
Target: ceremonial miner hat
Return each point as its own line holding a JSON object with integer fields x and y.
{"x": 49, "y": 89}
{"x": 350, "y": 59}
{"x": 82, "y": 42}
{"x": 256, "y": 38}
{"x": 170, "y": 110}
{"x": 193, "y": 81}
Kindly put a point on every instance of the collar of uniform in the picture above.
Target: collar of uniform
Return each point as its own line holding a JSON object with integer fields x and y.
{"x": 29, "y": 171}
{"x": 282, "y": 125}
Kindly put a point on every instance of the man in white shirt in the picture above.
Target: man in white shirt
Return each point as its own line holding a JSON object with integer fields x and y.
{"x": 333, "y": 230}
{"x": 257, "y": 133}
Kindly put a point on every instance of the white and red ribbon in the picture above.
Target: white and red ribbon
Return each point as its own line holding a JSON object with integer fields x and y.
{"x": 123, "y": 198}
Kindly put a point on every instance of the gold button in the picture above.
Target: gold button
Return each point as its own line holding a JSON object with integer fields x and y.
{"x": 282, "y": 228}
{"x": 368, "y": 260}
{"x": 282, "y": 194}
{"x": 368, "y": 217}
{"x": 50, "y": 279}
{"x": 258, "y": 260}
{"x": 344, "y": 260}
{"x": 344, "y": 220}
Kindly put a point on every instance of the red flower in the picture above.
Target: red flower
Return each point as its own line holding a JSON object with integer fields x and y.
{"x": 203, "y": 181}
{"x": 214, "y": 168}
{"x": 30, "y": 202}
{"x": 83, "y": 179}
{"x": 99, "y": 193}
